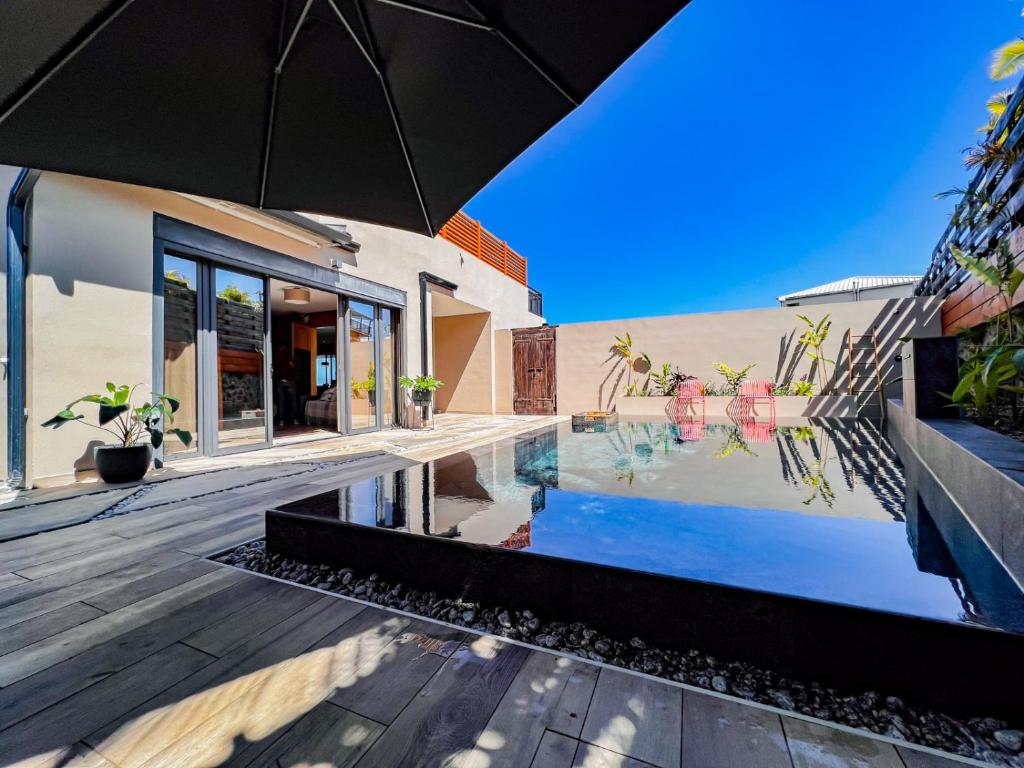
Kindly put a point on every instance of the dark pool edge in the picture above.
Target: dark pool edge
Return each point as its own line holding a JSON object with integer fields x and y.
{"x": 840, "y": 646}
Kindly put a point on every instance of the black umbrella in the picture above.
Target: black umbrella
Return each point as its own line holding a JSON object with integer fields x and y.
{"x": 391, "y": 111}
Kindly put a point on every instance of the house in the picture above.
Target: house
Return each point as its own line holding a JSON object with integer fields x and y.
{"x": 858, "y": 288}
{"x": 268, "y": 326}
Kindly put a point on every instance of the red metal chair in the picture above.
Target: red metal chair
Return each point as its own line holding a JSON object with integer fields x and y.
{"x": 754, "y": 431}
{"x": 754, "y": 392}
{"x": 689, "y": 392}
{"x": 691, "y": 430}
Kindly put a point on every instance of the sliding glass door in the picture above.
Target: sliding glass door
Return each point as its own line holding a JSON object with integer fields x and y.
{"x": 362, "y": 356}
{"x": 181, "y": 348}
{"x": 240, "y": 328}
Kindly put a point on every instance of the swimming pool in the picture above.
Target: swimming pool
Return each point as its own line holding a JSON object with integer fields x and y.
{"x": 820, "y": 510}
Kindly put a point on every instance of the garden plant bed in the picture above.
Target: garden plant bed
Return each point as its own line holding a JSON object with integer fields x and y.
{"x": 986, "y": 739}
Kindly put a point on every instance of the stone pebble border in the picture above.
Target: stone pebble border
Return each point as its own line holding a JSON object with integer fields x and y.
{"x": 981, "y": 738}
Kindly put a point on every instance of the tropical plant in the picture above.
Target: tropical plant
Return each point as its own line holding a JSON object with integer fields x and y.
{"x": 125, "y": 421}
{"x": 234, "y": 293}
{"x": 1000, "y": 273}
{"x": 420, "y": 383}
{"x": 733, "y": 377}
{"x": 988, "y": 371}
{"x": 1007, "y": 60}
{"x": 813, "y": 341}
{"x": 665, "y": 383}
{"x": 802, "y": 387}
{"x": 635, "y": 363}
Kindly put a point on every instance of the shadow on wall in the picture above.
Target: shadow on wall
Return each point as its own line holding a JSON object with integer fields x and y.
{"x": 592, "y": 374}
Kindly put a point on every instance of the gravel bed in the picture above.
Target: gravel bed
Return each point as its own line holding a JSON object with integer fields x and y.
{"x": 986, "y": 739}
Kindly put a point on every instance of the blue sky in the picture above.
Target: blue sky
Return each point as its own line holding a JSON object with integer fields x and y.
{"x": 751, "y": 149}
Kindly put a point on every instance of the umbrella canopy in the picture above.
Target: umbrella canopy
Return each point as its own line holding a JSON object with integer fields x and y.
{"x": 390, "y": 111}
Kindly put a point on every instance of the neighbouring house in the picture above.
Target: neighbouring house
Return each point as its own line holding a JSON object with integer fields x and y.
{"x": 857, "y": 288}
{"x": 269, "y": 326}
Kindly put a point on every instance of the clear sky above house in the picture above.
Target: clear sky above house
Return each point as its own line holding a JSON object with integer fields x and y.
{"x": 752, "y": 149}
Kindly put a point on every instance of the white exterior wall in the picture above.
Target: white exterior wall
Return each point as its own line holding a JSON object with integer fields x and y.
{"x": 90, "y": 302}
{"x": 865, "y": 294}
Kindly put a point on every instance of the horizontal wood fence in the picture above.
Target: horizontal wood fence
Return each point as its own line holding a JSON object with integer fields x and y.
{"x": 992, "y": 209}
{"x": 470, "y": 236}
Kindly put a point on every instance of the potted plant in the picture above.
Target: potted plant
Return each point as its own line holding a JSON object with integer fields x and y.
{"x": 138, "y": 429}
{"x": 421, "y": 389}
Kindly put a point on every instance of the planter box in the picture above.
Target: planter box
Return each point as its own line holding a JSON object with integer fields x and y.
{"x": 827, "y": 406}
{"x": 981, "y": 472}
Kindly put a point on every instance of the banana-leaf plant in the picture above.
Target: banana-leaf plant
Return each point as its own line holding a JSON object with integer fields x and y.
{"x": 1000, "y": 273}
{"x": 128, "y": 423}
{"x": 985, "y": 374}
{"x": 813, "y": 341}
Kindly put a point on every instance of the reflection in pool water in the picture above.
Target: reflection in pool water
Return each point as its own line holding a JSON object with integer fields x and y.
{"x": 820, "y": 510}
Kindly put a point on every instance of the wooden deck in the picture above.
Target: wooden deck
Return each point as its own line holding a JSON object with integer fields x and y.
{"x": 121, "y": 645}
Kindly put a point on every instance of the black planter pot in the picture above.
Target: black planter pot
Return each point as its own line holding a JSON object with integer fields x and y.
{"x": 118, "y": 464}
{"x": 422, "y": 396}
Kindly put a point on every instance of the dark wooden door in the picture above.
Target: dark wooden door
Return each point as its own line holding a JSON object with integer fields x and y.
{"x": 533, "y": 371}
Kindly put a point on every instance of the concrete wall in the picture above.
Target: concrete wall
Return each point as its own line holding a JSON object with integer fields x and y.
{"x": 591, "y": 377}
{"x": 503, "y": 382}
{"x": 90, "y": 304}
{"x": 463, "y": 360}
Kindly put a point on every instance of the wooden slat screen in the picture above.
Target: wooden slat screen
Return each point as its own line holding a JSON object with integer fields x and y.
{"x": 470, "y": 236}
{"x": 975, "y": 229}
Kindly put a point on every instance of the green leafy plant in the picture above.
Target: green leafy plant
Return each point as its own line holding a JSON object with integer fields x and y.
{"x": 635, "y": 363}
{"x": 988, "y": 371}
{"x": 733, "y": 377}
{"x": 234, "y": 293}
{"x": 813, "y": 341}
{"x": 420, "y": 383}
{"x": 1000, "y": 273}
{"x": 665, "y": 383}
{"x": 125, "y": 421}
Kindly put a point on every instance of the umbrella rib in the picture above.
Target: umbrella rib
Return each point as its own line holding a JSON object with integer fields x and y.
{"x": 273, "y": 99}
{"x": 391, "y": 110}
{"x": 64, "y": 59}
{"x": 540, "y": 69}
{"x": 437, "y": 14}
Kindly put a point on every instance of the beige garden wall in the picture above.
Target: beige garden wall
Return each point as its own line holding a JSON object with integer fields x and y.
{"x": 590, "y": 376}
{"x": 463, "y": 360}
{"x": 90, "y": 303}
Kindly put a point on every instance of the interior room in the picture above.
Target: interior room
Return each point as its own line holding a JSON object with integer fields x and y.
{"x": 304, "y": 340}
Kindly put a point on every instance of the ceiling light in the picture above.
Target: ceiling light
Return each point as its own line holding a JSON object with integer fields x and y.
{"x": 295, "y": 295}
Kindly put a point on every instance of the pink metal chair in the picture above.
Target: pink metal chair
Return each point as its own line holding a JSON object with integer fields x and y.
{"x": 758, "y": 431}
{"x": 691, "y": 430}
{"x": 754, "y": 392}
{"x": 688, "y": 393}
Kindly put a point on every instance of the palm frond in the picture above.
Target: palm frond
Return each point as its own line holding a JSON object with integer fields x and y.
{"x": 1007, "y": 60}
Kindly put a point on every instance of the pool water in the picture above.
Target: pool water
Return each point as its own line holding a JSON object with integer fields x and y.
{"x": 821, "y": 510}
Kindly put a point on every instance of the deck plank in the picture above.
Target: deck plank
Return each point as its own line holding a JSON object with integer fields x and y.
{"x": 446, "y": 717}
{"x": 593, "y": 756}
{"x": 139, "y": 589}
{"x": 326, "y": 736}
{"x": 35, "y": 550}
{"x": 412, "y": 659}
{"x": 196, "y": 721}
{"x": 45, "y": 688}
{"x": 815, "y": 745}
{"x": 637, "y": 717}
{"x": 915, "y": 758}
{"x": 229, "y": 633}
{"x": 556, "y": 750}
{"x": 71, "y": 642}
{"x": 39, "y": 603}
{"x": 525, "y": 712}
{"x": 76, "y": 716}
{"x": 10, "y": 579}
{"x": 571, "y": 712}
{"x": 46, "y": 625}
{"x": 718, "y": 733}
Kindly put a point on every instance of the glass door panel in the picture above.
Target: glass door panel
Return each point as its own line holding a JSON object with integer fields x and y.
{"x": 388, "y": 327}
{"x": 240, "y": 322}
{"x": 362, "y": 369}
{"x": 181, "y": 313}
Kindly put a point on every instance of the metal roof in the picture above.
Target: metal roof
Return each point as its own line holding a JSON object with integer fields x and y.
{"x": 855, "y": 283}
